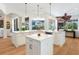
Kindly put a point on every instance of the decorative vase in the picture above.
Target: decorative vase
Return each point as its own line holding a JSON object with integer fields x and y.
{"x": 39, "y": 34}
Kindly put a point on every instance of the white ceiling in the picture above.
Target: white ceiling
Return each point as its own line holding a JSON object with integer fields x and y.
{"x": 57, "y": 9}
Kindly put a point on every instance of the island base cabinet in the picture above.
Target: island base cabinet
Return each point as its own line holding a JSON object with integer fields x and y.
{"x": 32, "y": 47}
{"x": 35, "y": 47}
{"x": 47, "y": 47}
{"x": 59, "y": 38}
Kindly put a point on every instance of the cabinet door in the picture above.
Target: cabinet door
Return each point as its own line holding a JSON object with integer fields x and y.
{"x": 29, "y": 46}
{"x": 1, "y": 32}
{"x": 36, "y": 47}
{"x": 59, "y": 38}
{"x": 50, "y": 45}
{"x": 47, "y": 46}
{"x": 13, "y": 39}
{"x": 33, "y": 46}
{"x": 20, "y": 40}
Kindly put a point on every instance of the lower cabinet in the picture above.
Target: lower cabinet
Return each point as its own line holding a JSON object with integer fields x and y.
{"x": 36, "y": 47}
{"x": 59, "y": 38}
{"x": 18, "y": 39}
{"x": 1, "y": 32}
{"x": 77, "y": 33}
{"x": 33, "y": 47}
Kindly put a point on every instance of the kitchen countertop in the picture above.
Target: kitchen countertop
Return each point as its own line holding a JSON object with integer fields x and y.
{"x": 39, "y": 38}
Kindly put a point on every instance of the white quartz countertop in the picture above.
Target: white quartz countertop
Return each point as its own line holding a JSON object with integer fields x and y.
{"x": 21, "y": 31}
{"x": 39, "y": 38}
{"x": 25, "y": 31}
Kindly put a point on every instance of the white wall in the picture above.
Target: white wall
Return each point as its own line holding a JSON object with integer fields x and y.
{"x": 2, "y": 7}
{"x": 75, "y": 17}
{"x": 17, "y": 8}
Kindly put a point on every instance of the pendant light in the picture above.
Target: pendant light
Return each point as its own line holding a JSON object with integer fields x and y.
{"x": 50, "y": 17}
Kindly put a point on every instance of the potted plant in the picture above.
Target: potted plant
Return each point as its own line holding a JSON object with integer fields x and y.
{"x": 23, "y": 27}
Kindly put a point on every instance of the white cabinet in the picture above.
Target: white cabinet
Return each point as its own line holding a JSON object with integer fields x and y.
{"x": 59, "y": 38}
{"x": 1, "y": 32}
{"x": 39, "y": 45}
{"x": 8, "y": 32}
{"x": 33, "y": 47}
{"x": 18, "y": 39}
{"x": 77, "y": 33}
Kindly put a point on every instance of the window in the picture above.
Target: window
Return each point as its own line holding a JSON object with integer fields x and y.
{"x": 37, "y": 24}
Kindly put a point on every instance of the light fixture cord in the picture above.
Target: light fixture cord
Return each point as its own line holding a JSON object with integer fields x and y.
{"x": 38, "y": 10}
{"x": 50, "y": 8}
{"x": 25, "y": 9}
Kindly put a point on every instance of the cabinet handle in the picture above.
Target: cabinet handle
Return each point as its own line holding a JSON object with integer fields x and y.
{"x": 30, "y": 46}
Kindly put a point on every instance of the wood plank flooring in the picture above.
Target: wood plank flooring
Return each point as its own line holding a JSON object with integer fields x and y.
{"x": 71, "y": 47}
{"x": 7, "y": 48}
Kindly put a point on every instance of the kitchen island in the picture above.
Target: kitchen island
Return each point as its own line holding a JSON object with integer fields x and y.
{"x": 39, "y": 44}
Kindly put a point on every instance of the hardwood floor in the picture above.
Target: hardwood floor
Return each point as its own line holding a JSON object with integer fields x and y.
{"x": 71, "y": 47}
{"x": 7, "y": 48}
